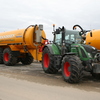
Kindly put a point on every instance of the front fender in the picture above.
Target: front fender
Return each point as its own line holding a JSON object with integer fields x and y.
{"x": 53, "y": 48}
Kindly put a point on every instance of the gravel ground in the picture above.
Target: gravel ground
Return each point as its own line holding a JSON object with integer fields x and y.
{"x": 34, "y": 73}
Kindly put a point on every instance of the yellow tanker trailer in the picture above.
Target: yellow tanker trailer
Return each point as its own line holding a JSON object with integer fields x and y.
{"x": 93, "y": 38}
{"x": 22, "y": 45}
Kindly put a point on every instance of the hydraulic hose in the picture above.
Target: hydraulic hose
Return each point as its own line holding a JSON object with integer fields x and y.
{"x": 25, "y": 32}
{"x": 82, "y": 30}
{"x": 44, "y": 38}
{"x": 25, "y": 47}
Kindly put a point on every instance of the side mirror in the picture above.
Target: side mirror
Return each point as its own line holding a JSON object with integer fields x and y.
{"x": 57, "y": 31}
{"x": 80, "y": 33}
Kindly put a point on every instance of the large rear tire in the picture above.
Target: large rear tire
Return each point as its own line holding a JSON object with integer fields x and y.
{"x": 8, "y": 57}
{"x": 72, "y": 69}
{"x": 1, "y": 56}
{"x": 27, "y": 59}
{"x": 48, "y": 62}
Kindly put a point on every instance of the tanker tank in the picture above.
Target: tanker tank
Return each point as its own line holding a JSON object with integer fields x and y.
{"x": 22, "y": 45}
{"x": 93, "y": 38}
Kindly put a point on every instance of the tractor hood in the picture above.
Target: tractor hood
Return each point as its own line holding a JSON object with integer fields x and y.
{"x": 90, "y": 49}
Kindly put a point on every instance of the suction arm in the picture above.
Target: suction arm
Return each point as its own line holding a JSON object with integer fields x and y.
{"x": 82, "y": 30}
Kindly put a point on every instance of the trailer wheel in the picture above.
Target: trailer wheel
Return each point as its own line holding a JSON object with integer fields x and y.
{"x": 27, "y": 59}
{"x": 1, "y": 56}
{"x": 72, "y": 69}
{"x": 18, "y": 60}
{"x": 47, "y": 62}
{"x": 8, "y": 57}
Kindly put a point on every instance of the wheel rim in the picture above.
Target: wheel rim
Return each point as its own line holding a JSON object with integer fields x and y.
{"x": 46, "y": 60}
{"x": 6, "y": 57}
{"x": 66, "y": 69}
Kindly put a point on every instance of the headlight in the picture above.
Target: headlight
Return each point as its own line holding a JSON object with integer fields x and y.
{"x": 89, "y": 55}
{"x": 93, "y": 48}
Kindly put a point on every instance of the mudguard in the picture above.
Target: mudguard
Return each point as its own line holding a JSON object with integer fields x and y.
{"x": 53, "y": 48}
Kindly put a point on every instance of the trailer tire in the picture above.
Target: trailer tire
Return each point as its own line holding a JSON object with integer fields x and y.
{"x": 48, "y": 62}
{"x": 1, "y": 56}
{"x": 18, "y": 60}
{"x": 72, "y": 69}
{"x": 27, "y": 59}
{"x": 8, "y": 57}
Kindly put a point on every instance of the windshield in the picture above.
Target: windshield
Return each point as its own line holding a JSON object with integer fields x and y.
{"x": 58, "y": 38}
{"x": 72, "y": 36}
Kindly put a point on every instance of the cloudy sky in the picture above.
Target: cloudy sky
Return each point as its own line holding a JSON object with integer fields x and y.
{"x": 18, "y": 14}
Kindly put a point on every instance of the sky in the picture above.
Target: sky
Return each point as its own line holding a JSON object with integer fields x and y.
{"x": 19, "y": 14}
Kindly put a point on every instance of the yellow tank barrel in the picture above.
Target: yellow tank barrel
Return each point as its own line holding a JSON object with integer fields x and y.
{"x": 93, "y": 38}
{"x": 23, "y": 43}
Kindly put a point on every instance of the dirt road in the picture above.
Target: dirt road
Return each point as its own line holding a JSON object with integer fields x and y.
{"x": 31, "y": 83}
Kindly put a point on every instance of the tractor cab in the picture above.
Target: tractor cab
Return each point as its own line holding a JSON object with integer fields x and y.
{"x": 65, "y": 38}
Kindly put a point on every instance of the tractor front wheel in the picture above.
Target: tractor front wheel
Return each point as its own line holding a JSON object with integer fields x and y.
{"x": 48, "y": 62}
{"x": 72, "y": 69}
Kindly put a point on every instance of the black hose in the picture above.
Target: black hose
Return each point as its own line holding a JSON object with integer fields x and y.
{"x": 28, "y": 27}
{"x": 79, "y": 27}
{"x": 44, "y": 38}
{"x": 25, "y": 32}
{"x": 34, "y": 32}
{"x": 82, "y": 30}
{"x": 25, "y": 47}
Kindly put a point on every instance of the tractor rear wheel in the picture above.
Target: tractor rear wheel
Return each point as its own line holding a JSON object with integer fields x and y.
{"x": 8, "y": 57}
{"x": 48, "y": 62}
{"x": 1, "y": 56}
{"x": 72, "y": 69}
{"x": 27, "y": 59}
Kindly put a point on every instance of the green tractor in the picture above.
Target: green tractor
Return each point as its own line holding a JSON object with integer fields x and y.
{"x": 68, "y": 54}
